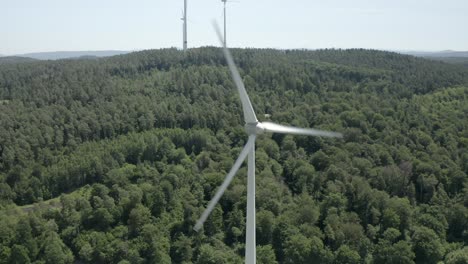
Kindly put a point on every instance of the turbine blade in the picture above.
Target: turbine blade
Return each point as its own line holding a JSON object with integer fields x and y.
{"x": 276, "y": 128}
{"x": 227, "y": 181}
{"x": 249, "y": 113}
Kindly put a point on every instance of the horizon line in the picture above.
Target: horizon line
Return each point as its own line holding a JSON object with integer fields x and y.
{"x": 275, "y": 48}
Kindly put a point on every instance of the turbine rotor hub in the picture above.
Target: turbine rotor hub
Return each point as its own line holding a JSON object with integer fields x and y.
{"x": 254, "y": 128}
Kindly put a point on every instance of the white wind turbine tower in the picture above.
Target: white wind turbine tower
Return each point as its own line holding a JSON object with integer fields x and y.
{"x": 184, "y": 27}
{"x": 225, "y": 1}
{"x": 253, "y": 128}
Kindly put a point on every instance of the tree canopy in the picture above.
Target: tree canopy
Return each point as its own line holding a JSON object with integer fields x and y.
{"x": 113, "y": 160}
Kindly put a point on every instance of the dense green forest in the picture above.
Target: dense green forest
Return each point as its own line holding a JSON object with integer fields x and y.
{"x": 113, "y": 160}
{"x": 453, "y": 60}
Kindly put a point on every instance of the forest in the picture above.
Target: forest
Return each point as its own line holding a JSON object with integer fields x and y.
{"x": 112, "y": 160}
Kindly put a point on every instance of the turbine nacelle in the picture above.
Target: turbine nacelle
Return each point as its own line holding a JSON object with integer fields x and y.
{"x": 254, "y": 128}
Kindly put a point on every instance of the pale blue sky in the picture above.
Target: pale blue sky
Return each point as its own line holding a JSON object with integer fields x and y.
{"x": 64, "y": 25}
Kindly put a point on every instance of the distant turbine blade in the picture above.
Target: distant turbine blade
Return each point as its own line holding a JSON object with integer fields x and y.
{"x": 227, "y": 181}
{"x": 249, "y": 114}
{"x": 276, "y": 128}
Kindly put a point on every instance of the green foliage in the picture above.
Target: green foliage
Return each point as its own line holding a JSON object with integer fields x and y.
{"x": 212, "y": 255}
{"x": 457, "y": 257}
{"x": 399, "y": 252}
{"x": 181, "y": 250}
{"x": 139, "y": 216}
{"x": 347, "y": 255}
{"x": 19, "y": 254}
{"x": 55, "y": 251}
{"x": 298, "y": 249}
{"x": 427, "y": 245}
{"x": 266, "y": 255}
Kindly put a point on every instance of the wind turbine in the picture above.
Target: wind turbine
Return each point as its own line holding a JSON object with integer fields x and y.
{"x": 184, "y": 27}
{"x": 225, "y": 1}
{"x": 253, "y": 128}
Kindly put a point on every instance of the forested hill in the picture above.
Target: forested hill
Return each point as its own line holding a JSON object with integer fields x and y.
{"x": 112, "y": 160}
{"x": 14, "y": 59}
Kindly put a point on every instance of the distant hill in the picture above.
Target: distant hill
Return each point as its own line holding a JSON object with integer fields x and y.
{"x": 57, "y": 55}
{"x": 449, "y": 56}
{"x": 85, "y": 57}
{"x": 453, "y": 60}
{"x": 15, "y": 59}
{"x": 438, "y": 54}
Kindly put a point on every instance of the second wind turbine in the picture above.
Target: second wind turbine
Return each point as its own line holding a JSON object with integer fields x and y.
{"x": 184, "y": 27}
{"x": 225, "y": 1}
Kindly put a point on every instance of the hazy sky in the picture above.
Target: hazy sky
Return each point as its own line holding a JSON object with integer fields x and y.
{"x": 61, "y": 25}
